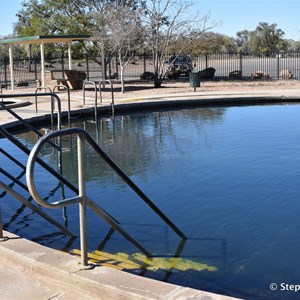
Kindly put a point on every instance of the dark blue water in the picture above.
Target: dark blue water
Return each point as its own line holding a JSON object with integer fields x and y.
{"x": 229, "y": 178}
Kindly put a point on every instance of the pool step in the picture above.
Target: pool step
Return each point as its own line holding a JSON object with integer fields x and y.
{"x": 138, "y": 261}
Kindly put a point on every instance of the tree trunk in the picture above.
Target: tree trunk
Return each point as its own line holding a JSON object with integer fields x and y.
{"x": 122, "y": 79}
{"x": 122, "y": 73}
{"x": 157, "y": 81}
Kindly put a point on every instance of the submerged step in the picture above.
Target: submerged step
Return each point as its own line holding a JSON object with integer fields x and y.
{"x": 138, "y": 261}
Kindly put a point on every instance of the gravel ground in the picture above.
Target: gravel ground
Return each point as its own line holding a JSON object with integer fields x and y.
{"x": 142, "y": 89}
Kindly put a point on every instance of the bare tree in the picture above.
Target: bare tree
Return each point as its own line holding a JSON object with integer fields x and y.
{"x": 124, "y": 34}
{"x": 166, "y": 23}
{"x": 118, "y": 29}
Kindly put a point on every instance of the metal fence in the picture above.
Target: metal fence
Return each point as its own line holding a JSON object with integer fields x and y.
{"x": 28, "y": 71}
{"x": 224, "y": 63}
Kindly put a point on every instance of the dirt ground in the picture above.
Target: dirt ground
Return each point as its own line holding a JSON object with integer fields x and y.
{"x": 143, "y": 88}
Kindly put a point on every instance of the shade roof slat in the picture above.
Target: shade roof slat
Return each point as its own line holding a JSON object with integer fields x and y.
{"x": 46, "y": 39}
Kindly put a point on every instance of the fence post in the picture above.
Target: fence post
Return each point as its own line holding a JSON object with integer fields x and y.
{"x": 87, "y": 66}
{"x": 144, "y": 57}
{"x": 241, "y": 64}
{"x": 278, "y": 64}
{"x": 206, "y": 61}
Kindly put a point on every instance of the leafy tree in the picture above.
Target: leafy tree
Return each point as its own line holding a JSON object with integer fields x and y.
{"x": 293, "y": 46}
{"x": 213, "y": 42}
{"x": 52, "y": 17}
{"x": 242, "y": 40}
{"x": 267, "y": 39}
{"x": 67, "y": 17}
{"x": 19, "y": 51}
{"x": 229, "y": 45}
{"x": 49, "y": 17}
{"x": 207, "y": 43}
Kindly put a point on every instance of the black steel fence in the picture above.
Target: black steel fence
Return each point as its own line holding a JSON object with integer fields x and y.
{"x": 274, "y": 66}
{"x": 28, "y": 71}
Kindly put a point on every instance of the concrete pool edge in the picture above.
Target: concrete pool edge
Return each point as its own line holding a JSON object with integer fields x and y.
{"x": 101, "y": 281}
{"x": 165, "y": 102}
{"x": 148, "y": 288}
{"x": 15, "y": 103}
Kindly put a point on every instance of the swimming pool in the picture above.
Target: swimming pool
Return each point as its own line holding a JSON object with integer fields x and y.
{"x": 227, "y": 176}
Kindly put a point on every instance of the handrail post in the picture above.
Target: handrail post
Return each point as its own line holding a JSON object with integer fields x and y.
{"x": 69, "y": 100}
{"x": 83, "y": 197}
{"x": 112, "y": 95}
{"x": 85, "y": 82}
{"x": 40, "y": 88}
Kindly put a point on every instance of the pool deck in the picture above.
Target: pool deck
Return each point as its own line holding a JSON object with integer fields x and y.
{"x": 152, "y": 102}
{"x": 31, "y": 271}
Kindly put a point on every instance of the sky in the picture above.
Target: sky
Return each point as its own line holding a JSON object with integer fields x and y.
{"x": 234, "y": 15}
{"x": 237, "y": 15}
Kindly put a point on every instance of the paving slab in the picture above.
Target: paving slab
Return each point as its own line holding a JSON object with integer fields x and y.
{"x": 32, "y": 271}
{"x": 232, "y": 97}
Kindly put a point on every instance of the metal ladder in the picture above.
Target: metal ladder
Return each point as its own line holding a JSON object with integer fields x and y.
{"x": 51, "y": 93}
{"x": 82, "y": 199}
{"x": 8, "y": 188}
{"x": 98, "y": 84}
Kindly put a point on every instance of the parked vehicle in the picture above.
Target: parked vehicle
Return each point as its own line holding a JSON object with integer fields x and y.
{"x": 179, "y": 65}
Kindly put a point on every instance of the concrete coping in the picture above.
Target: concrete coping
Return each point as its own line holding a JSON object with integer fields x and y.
{"x": 100, "y": 282}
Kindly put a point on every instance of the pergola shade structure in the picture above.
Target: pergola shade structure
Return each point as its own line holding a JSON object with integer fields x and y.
{"x": 42, "y": 40}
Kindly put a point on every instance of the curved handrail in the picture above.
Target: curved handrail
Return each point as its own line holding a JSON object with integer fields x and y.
{"x": 69, "y": 99}
{"x": 53, "y": 95}
{"x": 94, "y": 84}
{"x": 53, "y": 172}
{"x": 112, "y": 95}
{"x": 82, "y": 199}
{"x": 35, "y": 209}
{"x": 40, "y": 88}
{"x": 88, "y": 138}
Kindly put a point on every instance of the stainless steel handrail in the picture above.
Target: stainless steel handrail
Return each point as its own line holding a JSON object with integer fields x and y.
{"x": 11, "y": 158}
{"x": 82, "y": 199}
{"x": 95, "y": 84}
{"x": 40, "y": 88}
{"x": 53, "y": 172}
{"x": 26, "y": 124}
{"x": 53, "y": 96}
{"x": 59, "y": 86}
{"x": 112, "y": 95}
{"x": 17, "y": 196}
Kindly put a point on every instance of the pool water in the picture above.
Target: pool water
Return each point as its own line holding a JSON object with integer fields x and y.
{"x": 228, "y": 177}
